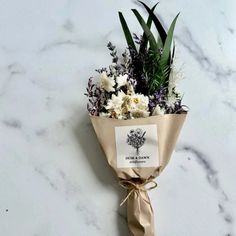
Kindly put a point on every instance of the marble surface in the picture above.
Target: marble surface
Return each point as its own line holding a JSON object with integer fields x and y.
{"x": 54, "y": 180}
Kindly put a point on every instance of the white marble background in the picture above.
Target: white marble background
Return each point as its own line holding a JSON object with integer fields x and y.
{"x": 54, "y": 180}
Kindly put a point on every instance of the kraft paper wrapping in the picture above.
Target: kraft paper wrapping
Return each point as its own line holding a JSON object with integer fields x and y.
{"x": 139, "y": 209}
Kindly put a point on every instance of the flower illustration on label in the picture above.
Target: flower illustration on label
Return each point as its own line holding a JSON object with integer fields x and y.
{"x": 136, "y": 139}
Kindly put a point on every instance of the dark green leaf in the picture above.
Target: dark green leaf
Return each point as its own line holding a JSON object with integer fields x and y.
{"x": 145, "y": 39}
{"x": 147, "y": 31}
{"x": 167, "y": 45}
{"x": 127, "y": 33}
{"x": 159, "y": 43}
{"x": 157, "y": 23}
{"x": 173, "y": 53}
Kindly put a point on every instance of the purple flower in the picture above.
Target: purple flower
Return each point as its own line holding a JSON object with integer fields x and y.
{"x": 94, "y": 95}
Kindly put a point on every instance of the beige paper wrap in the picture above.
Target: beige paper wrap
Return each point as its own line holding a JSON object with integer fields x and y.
{"x": 139, "y": 209}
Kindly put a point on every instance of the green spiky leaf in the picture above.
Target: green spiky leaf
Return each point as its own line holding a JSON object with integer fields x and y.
{"x": 173, "y": 53}
{"x": 167, "y": 46}
{"x": 145, "y": 39}
{"x": 159, "y": 43}
{"x": 128, "y": 36}
{"x": 157, "y": 23}
{"x": 147, "y": 31}
{"x": 159, "y": 78}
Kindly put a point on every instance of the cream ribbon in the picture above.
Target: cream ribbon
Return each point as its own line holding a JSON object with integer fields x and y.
{"x": 133, "y": 187}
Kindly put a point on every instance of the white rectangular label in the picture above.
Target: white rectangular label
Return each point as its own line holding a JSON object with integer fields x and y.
{"x": 137, "y": 146}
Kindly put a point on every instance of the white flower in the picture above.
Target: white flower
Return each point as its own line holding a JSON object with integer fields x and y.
{"x": 139, "y": 101}
{"x": 175, "y": 77}
{"x": 115, "y": 101}
{"x": 172, "y": 80}
{"x": 130, "y": 88}
{"x": 171, "y": 100}
{"x": 115, "y": 105}
{"x": 121, "y": 80}
{"x": 104, "y": 114}
{"x": 158, "y": 111}
{"x": 139, "y": 114}
{"x": 138, "y": 106}
{"x": 123, "y": 106}
{"x": 107, "y": 83}
{"x": 173, "y": 96}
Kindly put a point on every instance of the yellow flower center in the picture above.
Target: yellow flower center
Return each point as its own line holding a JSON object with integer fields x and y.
{"x": 136, "y": 100}
{"x": 113, "y": 114}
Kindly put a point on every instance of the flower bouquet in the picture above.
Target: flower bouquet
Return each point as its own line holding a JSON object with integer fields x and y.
{"x": 137, "y": 113}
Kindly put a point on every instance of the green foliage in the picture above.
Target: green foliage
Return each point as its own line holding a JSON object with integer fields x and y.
{"x": 156, "y": 73}
{"x": 157, "y": 23}
{"x": 144, "y": 43}
{"x": 154, "y": 55}
{"x": 128, "y": 36}
{"x": 147, "y": 31}
{"x": 168, "y": 42}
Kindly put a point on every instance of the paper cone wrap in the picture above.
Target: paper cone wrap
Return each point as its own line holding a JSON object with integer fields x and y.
{"x": 140, "y": 215}
{"x": 164, "y": 131}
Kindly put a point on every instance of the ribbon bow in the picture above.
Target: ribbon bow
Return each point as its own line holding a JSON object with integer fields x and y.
{"x": 133, "y": 187}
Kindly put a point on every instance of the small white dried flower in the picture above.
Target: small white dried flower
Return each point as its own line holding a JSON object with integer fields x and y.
{"x": 121, "y": 80}
{"x": 122, "y": 106}
{"x": 175, "y": 76}
{"x": 139, "y": 114}
{"x": 104, "y": 114}
{"x": 139, "y": 101}
{"x": 158, "y": 111}
{"x": 171, "y": 100}
{"x": 107, "y": 83}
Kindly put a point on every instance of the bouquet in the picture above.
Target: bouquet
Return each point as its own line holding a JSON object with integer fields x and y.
{"x": 137, "y": 113}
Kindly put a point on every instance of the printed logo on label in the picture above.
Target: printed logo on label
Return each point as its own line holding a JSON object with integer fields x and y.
{"x": 137, "y": 146}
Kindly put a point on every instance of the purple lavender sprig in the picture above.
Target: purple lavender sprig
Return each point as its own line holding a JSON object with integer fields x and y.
{"x": 158, "y": 98}
{"x": 113, "y": 52}
{"x": 94, "y": 95}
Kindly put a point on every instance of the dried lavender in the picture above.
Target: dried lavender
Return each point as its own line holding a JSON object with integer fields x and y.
{"x": 101, "y": 70}
{"x": 113, "y": 52}
{"x": 125, "y": 64}
{"x": 94, "y": 97}
{"x": 136, "y": 71}
{"x": 140, "y": 67}
{"x": 158, "y": 98}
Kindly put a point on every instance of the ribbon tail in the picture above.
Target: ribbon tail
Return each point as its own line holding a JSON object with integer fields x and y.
{"x": 126, "y": 198}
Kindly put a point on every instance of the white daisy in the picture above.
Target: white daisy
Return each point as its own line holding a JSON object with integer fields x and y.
{"x": 115, "y": 101}
{"x": 123, "y": 106}
{"x": 121, "y": 80}
{"x": 139, "y": 101}
{"x": 104, "y": 114}
{"x": 158, "y": 111}
{"x": 107, "y": 83}
{"x": 115, "y": 105}
{"x": 171, "y": 100}
{"x": 138, "y": 106}
{"x": 139, "y": 114}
